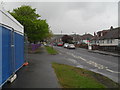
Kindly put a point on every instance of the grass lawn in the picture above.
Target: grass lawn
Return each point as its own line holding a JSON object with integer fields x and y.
{"x": 72, "y": 77}
{"x": 51, "y": 50}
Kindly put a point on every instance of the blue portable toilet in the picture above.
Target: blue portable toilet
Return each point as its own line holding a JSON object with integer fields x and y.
{"x": 11, "y": 45}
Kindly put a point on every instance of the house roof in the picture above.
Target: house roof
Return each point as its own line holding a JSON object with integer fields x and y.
{"x": 103, "y": 31}
{"x": 95, "y": 37}
{"x": 57, "y": 36}
{"x": 76, "y": 36}
{"x": 112, "y": 34}
{"x": 87, "y": 36}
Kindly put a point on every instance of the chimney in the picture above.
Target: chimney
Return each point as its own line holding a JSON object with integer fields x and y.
{"x": 94, "y": 34}
{"x": 111, "y": 28}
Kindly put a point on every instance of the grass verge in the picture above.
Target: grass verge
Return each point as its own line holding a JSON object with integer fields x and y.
{"x": 51, "y": 50}
{"x": 72, "y": 77}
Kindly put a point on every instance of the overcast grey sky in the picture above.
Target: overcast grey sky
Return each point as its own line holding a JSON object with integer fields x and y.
{"x": 78, "y": 17}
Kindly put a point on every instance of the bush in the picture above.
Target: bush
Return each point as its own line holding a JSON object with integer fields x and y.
{"x": 82, "y": 45}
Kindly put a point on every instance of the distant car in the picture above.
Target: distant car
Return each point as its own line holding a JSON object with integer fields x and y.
{"x": 66, "y": 45}
{"x": 60, "y": 44}
{"x": 71, "y": 46}
{"x": 54, "y": 44}
{"x": 45, "y": 44}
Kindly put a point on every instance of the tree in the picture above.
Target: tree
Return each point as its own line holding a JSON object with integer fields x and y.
{"x": 35, "y": 28}
{"x": 67, "y": 39}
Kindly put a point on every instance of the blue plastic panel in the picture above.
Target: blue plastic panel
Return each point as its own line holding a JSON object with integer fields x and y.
{"x": 6, "y": 59}
{"x": 0, "y": 55}
{"x": 19, "y": 50}
{"x": 6, "y": 54}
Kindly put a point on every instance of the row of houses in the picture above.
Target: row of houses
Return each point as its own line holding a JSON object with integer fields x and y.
{"x": 109, "y": 37}
{"x": 108, "y": 40}
{"x": 76, "y": 38}
{"x": 103, "y": 40}
{"x": 56, "y": 38}
{"x": 85, "y": 38}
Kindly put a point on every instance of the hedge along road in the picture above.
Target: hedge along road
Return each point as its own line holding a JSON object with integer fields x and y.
{"x": 103, "y": 64}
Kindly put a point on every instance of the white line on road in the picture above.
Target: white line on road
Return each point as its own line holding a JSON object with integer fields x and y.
{"x": 60, "y": 53}
{"x": 99, "y": 66}
{"x": 112, "y": 71}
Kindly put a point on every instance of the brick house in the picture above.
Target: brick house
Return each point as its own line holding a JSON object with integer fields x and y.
{"x": 86, "y": 38}
{"x": 108, "y": 40}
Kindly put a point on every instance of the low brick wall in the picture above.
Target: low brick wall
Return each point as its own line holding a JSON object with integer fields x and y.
{"x": 113, "y": 49}
{"x": 82, "y": 46}
{"x": 95, "y": 47}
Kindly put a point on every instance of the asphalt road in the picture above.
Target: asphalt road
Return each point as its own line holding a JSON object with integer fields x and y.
{"x": 104, "y": 64}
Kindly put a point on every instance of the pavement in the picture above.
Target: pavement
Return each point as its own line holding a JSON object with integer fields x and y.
{"x": 104, "y": 53}
{"x": 38, "y": 74}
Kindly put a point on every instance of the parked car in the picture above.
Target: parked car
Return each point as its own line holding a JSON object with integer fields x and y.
{"x": 54, "y": 44}
{"x": 66, "y": 45}
{"x": 71, "y": 46}
{"x": 60, "y": 44}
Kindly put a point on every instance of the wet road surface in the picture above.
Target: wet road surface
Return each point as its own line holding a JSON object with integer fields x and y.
{"x": 104, "y": 64}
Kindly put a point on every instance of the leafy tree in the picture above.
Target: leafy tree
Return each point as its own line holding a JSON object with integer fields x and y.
{"x": 35, "y": 28}
{"x": 67, "y": 39}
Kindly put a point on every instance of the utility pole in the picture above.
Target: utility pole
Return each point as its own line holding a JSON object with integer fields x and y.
{"x": 74, "y": 37}
{"x": 61, "y": 32}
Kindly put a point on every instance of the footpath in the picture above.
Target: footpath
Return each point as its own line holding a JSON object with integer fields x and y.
{"x": 38, "y": 74}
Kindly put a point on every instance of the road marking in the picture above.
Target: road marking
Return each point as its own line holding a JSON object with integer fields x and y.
{"x": 99, "y": 66}
{"x": 60, "y": 53}
{"x": 112, "y": 71}
{"x": 72, "y": 60}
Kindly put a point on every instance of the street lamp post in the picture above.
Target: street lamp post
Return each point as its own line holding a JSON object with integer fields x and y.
{"x": 74, "y": 37}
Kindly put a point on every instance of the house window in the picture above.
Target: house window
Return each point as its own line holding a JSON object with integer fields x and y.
{"x": 108, "y": 41}
{"x": 102, "y": 41}
{"x": 119, "y": 42}
{"x": 111, "y": 41}
{"x": 97, "y": 41}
